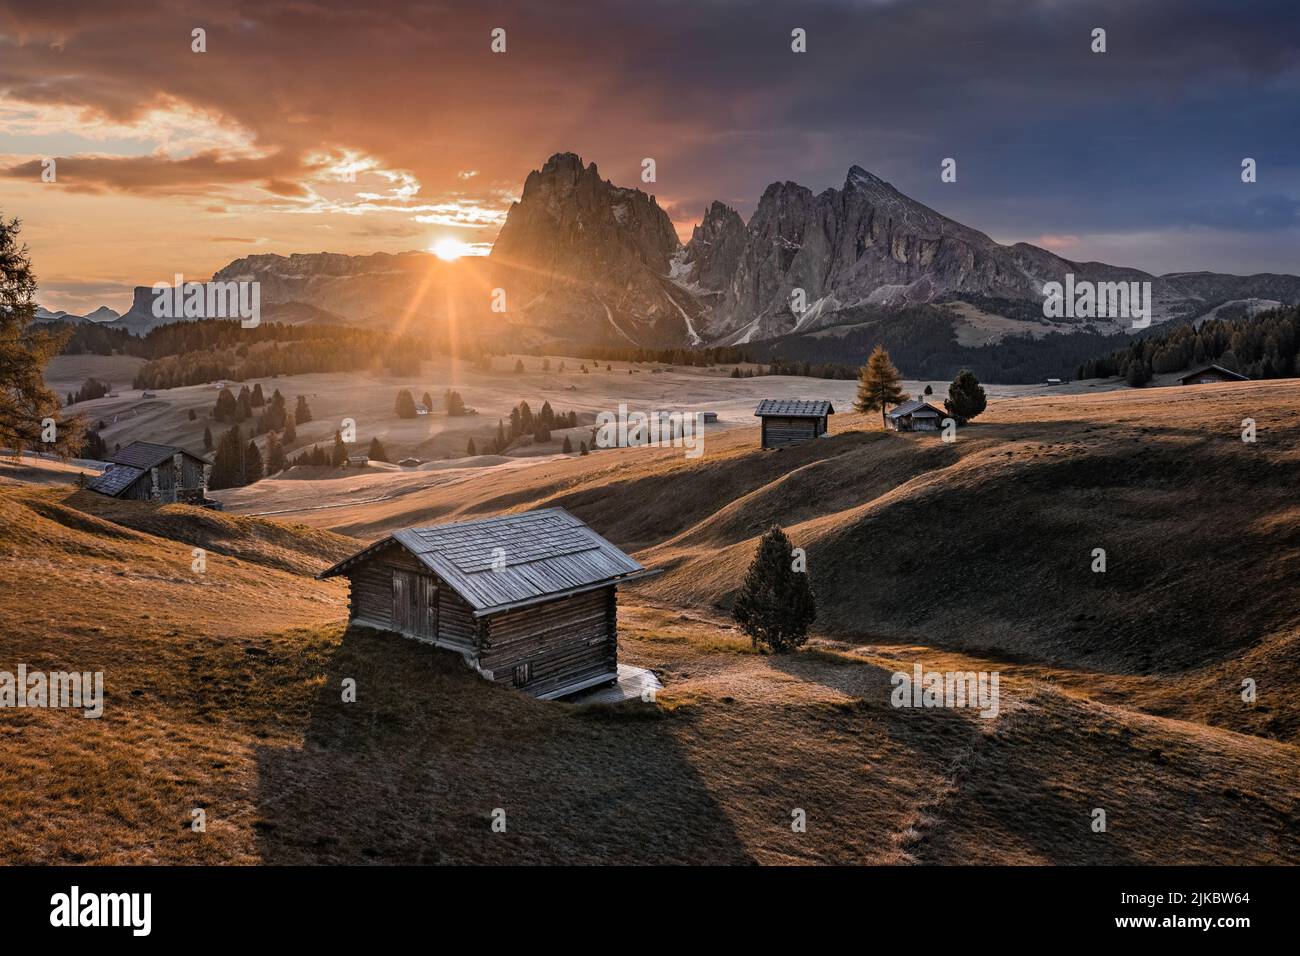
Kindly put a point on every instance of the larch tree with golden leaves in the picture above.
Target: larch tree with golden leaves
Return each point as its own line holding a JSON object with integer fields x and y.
{"x": 879, "y": 384}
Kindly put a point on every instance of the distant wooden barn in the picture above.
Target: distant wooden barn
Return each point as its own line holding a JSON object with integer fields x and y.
{"x": 143, "y": 471}
{"x": 1211, "y": 374}
{"x": 791, "y": 421}
{"x": 527, "y": 599}
{"x": 915, "y": 416}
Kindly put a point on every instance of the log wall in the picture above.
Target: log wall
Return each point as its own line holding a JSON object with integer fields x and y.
{"x": 562, "y": 642}
{"x": 779, "y": 431}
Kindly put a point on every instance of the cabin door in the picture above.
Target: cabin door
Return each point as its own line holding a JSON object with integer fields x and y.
{"x": 415, "y": 604}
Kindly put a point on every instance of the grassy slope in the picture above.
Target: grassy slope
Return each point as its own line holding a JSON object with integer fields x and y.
{"x": 184, "y": 658}
{"x": 985, "y": 545}
{"x": 240, "y": 712}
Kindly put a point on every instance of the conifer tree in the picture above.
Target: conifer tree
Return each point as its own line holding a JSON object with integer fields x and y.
{"x": 225, "y": 409}
{"x": 228, "y": 462}
{"x": 252, "y": 463}
{"x": 965, "y": 396}
{"x": 275, "y": 459}
{"x": 878, "y": 384}
{"x": 377, "y": 451}
{"x": 405, "y": 405}
{"x": 93, "y": 447}
{"x": 340, "y": 456}
{"x": 775, "y": 605}
{"x": 302, "y": 414}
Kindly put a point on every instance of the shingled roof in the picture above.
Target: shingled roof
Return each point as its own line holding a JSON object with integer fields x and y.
{"x": 145, "y": 455}
{"x": 540, "y": 554}
{"x": 1235, "y": 376}
{"x": 794, "y": 408}
{"x": 916, "y": 409}
{"x": 114, "y": 479}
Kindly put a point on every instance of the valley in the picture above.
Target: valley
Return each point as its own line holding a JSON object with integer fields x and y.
{"x": 368, "y": 399}
{"x": 1120, "y": 690}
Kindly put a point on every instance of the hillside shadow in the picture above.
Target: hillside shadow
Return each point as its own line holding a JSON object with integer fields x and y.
{"x": 412, "y": 772}
{"x": 988, "y": 788}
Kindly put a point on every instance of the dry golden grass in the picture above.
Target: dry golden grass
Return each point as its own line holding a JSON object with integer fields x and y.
{"x": 985, "y": 544}
{"x": 1119, "y": 691}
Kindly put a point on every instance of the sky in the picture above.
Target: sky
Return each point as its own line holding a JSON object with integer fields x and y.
{"x": 385, "y": 127}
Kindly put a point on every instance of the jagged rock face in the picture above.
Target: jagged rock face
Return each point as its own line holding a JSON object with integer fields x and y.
{"x": 863, "y": 244}
{"x": 583, "y": 261}
{"x": 868, "y": 244}
{"x": 712, "y": 257}
{"x": 587, "y": 260}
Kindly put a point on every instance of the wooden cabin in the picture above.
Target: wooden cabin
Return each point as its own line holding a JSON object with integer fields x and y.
{"x": 143, "y": 471}
{"x": 791, "y": 421}
{"x": 528, "y": 600}
{"x": 1211, "y": 374}
{"x": 915, "y": 416}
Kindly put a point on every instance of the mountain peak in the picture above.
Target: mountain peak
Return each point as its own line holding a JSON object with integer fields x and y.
{"x": 859, "y": 178}
{"x": 580, "y": 247}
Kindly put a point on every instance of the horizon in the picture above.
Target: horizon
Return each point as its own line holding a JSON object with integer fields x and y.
{"x": 170, "y": 160}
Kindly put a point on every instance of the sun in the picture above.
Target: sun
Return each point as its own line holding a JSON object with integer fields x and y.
{"x": 448, "y": 249}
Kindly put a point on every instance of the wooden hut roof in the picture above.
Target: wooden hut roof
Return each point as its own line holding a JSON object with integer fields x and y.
{"x": 115, "y": 479}
{"x": 916, "y": 409}
{"x": 1235, "y": 376}
{"x": 539, "y": 555}
{"x": 794, "y": 408}
{"x": 145, "y": 455}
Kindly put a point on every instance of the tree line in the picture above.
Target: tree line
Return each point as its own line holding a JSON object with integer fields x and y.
{"x": 1259, "y": 346}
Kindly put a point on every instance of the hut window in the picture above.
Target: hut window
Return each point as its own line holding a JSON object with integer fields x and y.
{"x": 523, "y": 673}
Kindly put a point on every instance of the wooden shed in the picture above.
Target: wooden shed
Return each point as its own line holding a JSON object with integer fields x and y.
{"x": 915, "y": 416}
{"x": 789, "y": 421}
{"x": 527, "y": 599}
{"x": 144, "y": 471}
{"x": 1211, "y": 374}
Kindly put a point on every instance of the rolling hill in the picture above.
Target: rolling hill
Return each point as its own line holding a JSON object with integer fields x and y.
{"x": 1120, "y": 690}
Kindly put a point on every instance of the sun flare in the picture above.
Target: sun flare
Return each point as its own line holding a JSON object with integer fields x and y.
{"x": 448, "y": 249}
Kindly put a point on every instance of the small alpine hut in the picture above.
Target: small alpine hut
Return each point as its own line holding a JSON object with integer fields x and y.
{"x": 143, "y": 471}
{"x": 788, "y": 421}
{"x": 915, "y": 416}
{"x": 1211, "y": 374}
{"x": 527, "y": 599}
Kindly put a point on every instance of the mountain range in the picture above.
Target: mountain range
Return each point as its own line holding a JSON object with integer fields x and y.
{"x": 102, "y": 315}
{"x": 581, "y": 260}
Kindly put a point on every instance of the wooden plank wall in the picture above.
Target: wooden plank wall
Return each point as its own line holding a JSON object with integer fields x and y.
{"x": 779, "y": 431}
{"x": 563, "y": 641}
{"x": 371, "y": 598}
